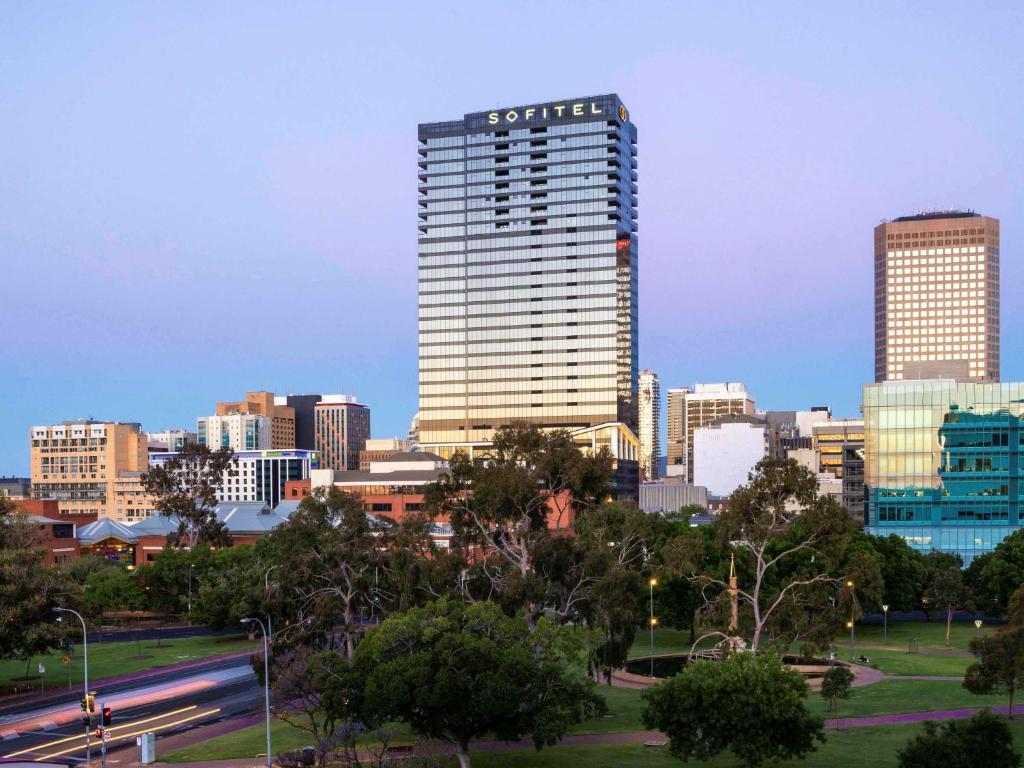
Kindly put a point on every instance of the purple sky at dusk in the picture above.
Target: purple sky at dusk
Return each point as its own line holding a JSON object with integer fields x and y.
{"x": 200, "y": 199}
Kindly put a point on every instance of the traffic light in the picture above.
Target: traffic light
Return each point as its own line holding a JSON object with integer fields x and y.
{"x": 107, "y": 715}
{"x": 85, "y": 703}
{"x": 85, "y": 721}
{"x": 99, "y": 733}
{"x": 90, "y": 702}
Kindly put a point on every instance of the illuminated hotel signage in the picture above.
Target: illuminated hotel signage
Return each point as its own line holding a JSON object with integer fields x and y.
{"x": 548, "y": 112}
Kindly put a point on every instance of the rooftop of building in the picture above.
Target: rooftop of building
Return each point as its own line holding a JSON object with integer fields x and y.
{"x": 737, "y": 418}
{"x": 417, "y": 456}
{"x": 930, "y": 215}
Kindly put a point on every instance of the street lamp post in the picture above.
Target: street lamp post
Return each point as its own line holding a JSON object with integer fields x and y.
{"x": 85, "y": 682}
{"x": 977, "y": 624}
{"x": 652, "y": 583}
{"x": 266, "y": 681}
{"x": 853, "y": 648}
{"x": 885, "y": 623}
{"x": 190, "y": 567}
{"x": 850, "y": 624}
{"x": 266, "y": 591}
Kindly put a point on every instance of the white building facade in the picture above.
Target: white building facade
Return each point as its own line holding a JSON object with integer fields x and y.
{"x": 726, "y": 451}
{"x": 237, "y": 431}
{"x": 649, "y": 424}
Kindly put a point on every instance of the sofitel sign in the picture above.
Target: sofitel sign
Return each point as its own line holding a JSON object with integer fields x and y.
{"x": 578, "y": 109}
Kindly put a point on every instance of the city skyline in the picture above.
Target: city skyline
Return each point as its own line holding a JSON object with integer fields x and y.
{"x": 116, "y": 253}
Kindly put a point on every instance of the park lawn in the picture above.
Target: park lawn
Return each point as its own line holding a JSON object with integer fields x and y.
{"x": 252, "y": 741}
{"x": 856, "y": 748}
{"x": 112, "y": 659}
{"x": 902, "y": 663}
{"x": 624, "y": 707}
{"x": 895, "y": 696}
{"x": 929, "y": 634}
{"x": 665, "y": 641}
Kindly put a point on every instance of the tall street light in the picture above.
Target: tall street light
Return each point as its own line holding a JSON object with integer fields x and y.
{"x": 850, "y": 624}
{"x": 266, "y": 587}
{"x": 885, "y": 623}
{"x": 652, "y": 583}
{"x": 85, "y": 694}
{"x": 266, "y": 681}
{"x": 190, "y": 567}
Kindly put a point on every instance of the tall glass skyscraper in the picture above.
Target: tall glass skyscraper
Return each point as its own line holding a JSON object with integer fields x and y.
{"x": 942, "y": 464}
{"x": 528, "y": 274}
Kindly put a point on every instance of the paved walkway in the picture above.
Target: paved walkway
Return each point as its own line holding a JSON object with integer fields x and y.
{"x": 633, "y": 737}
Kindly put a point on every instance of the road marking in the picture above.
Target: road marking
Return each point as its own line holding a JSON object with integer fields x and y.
{"x": 164, "y": 726}
{"x": 39, "y": 747}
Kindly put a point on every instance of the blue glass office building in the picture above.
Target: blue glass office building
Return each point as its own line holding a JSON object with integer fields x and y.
{"x": 528, "y": 274}
{"x": 943, "y": 462}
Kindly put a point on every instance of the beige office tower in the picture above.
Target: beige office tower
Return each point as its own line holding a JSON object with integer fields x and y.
{"x": 649, "y": 424}
{"x": 528, "y": 257}
{"x": 282, "y": 418}
{"x": 81, "y": 463}
{"x": 937, "y": 297}
{"x": 690, "y": 409}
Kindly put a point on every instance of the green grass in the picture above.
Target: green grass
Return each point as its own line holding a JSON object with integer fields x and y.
{"x": 902, "y": 663}
{"x": 113, "y": 659}
{"x": 858, "y": 748}
{"x": 894, "y": 696}
{"x": 624, "y": 707}
{"x": 246, "y": 742}
{"x": 930, "y": 634}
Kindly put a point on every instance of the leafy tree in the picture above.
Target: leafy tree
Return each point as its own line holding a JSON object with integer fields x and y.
{"x": 456, "y": 672}
{"x": 29, "y": 589}
{"x": 750, "y": 705}
{"x": 186, "y": 487}
{"x": 789, "y": 544}
{"x": 298, "y": 696}
{"x": 982, "y": 741}
{"x": 229, "y": 586}
{"x": 946, "y": 590}
{"x": 936, "y": 562}
{"x": 1000, "y": 656}
{"x": 335, "y": 552}
{"x": 507, "y": 505}
{"x": 996, "y": 575}
{"x": 114, "y": 589}
{"x": 902, "y": 572}
{"x": 835, "y": 685}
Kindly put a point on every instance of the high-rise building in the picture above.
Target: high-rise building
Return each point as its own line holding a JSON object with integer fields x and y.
{"x": 942, "y": 462}
{"x": 78, "y": 463}
{"x": 649, "y": 421}
{"x": 342, "y": 427}
{"x": 281, "y": 417}
{"x": 689, "y": 409}
{"x": 528, "y": 273}
{"x": 726, "y": 450}
{"x": 937, "y": 297}
{"x": 237, "y": 431}
{"x": 839, "y": 449}
{"x": 170, "y": 439}
{"x": 304, "y": 407}
{"x": 259, "y": 475}
{"x": 379, "y": 449}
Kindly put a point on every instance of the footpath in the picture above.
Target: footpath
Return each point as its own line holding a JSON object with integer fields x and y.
{"x": 652, "y": 738}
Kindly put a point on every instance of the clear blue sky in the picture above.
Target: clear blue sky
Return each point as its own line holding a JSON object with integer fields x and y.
{"x": 199, "y": 199}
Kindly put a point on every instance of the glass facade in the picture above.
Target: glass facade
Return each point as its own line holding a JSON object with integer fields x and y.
{"x": 942, "y": 462}
{"x": 527, "y": 270}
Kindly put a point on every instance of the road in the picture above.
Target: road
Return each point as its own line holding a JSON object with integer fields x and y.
{"x": 165, "y": 704}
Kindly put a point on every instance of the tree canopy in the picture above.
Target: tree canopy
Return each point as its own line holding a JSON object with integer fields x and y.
{"x": 750, "y": 705}
{"x": 455, "y": 672}
{"x": 982, "y": 741}
{"x": 185, "y": 487}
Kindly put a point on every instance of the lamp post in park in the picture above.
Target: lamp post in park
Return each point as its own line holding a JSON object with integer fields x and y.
{"x": 266, "y": 681}
{"x": 885, "y": 623}
{"x": 652, "y": 583}
{"x": 85, "y": 674}
{"x": 850, "y": 624}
